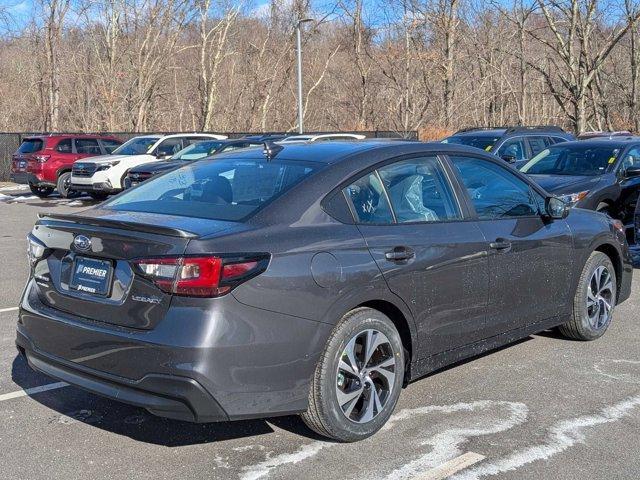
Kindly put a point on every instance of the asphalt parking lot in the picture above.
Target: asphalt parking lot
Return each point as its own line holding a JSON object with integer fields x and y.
{"x": 542, "y": 408}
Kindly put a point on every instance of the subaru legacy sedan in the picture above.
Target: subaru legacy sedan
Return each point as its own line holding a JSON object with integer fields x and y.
{"x": 314, "y": 279}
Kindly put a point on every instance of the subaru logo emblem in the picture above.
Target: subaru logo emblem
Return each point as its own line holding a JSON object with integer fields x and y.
{"x": 82, "y": 243}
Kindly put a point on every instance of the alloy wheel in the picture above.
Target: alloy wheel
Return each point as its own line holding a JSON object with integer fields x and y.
{"x": 600, "y": 297}
{"x": 365, "y": 376}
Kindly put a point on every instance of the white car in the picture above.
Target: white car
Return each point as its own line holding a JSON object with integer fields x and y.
{"x": 104, "y": 175}
{"x": 322, "y": 137}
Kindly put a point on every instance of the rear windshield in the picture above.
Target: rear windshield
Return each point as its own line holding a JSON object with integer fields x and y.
{"x": 572, "y": 160}
{"x": 485, "y": 142}
{"x": 30, "y": 145}
{"x": 228, "y": 189}
{"x": 136, "y": 146}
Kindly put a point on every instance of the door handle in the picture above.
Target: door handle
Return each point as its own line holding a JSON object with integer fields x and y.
{"x": 501, "y": 244}
{"x": 400, "y": 254}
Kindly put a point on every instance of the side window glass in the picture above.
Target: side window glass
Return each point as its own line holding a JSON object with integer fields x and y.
{"x": 495, "y": 192}
{"x": 110, "y": 145}
{"x": 631, "y": 159}
{"x": 538, "y": 144}
{"x": 514, "y": 147}
{"x": 169, "y": 147}
{"x": 369, "y": 200}
{"x": 64, "y": 146}
{"x": 419, "y": 191}
{"x": 87, "y": 145}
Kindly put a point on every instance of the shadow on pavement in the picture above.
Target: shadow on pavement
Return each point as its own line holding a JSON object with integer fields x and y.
{"x": 73, "y": 404}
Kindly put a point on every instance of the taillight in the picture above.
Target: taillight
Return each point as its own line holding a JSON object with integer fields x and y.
{"x": 42, "y": 158}
{"x": 209, "y": 276}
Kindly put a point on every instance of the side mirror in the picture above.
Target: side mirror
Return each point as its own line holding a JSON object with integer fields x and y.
{"x": 508, "y": 158}
{"x": 632, "y": 171}
{"x": 556, "y": 208}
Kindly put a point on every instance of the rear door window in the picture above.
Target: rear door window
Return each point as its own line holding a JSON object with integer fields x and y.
{"x": 64, "y": 146}
{"x": 538, "y": 144}
{"x": 110, "y": 145}
{"x": 230, "y": 189}
{"x": 87, "y": 146}
{"x": 419, "y": 191}
{"x": 31, "y": 145}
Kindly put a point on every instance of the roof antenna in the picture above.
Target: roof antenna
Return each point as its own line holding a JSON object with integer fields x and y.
{"x": 271, "y": 149}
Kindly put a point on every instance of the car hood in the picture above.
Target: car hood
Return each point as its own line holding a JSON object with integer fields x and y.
{"x": 102, "y": 159}
{"x": 561, "y": 184}
{"x": 155, "y": 167}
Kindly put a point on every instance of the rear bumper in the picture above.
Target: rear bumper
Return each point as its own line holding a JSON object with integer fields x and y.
{"x": 25, "y": 178}
{"x": 206, "y": 360}
{"x": 179, "y": 398}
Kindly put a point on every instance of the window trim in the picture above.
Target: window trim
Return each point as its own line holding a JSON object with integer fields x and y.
{"x": 532, "y": 186}
{"x": 438, "y": 156}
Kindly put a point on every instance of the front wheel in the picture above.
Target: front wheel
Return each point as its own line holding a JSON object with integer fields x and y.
{"x": 594, "y": 301}
{"x": 358, "y": 378}
{"x": 64, "y": 185}
{"x": 41, "y": 192}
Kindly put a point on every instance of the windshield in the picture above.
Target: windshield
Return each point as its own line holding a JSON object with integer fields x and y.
{"x": 485, "y": 142}
{"x": 229, "y": 189}
{"x": 572, "y": 160}
{"x": 197, "y": 151}
{"x": 136, "y": 146}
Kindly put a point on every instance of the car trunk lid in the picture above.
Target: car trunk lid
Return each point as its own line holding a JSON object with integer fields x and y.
{"x": 88, "y": 268}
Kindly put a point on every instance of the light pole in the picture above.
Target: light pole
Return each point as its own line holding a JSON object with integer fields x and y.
{"x": 299, "y": 40}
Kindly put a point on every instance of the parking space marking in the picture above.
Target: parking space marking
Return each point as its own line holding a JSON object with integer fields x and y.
{"x": 452, "y": 466}
{"x": 562, "y": 435}
{"x": 10, "y": 309}
{"x": 32, "y": 391}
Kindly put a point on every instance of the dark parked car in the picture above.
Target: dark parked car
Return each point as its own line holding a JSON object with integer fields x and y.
{"x": 597, "y": 174}
{"x": 512, "y": 144}
{"x": 312, "y": 278}
{"x": 196, "y": 151}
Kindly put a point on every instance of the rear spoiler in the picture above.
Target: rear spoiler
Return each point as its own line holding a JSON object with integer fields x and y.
{"x": 101, "y": 222}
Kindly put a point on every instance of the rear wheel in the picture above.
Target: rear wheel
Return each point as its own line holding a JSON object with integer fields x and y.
{"x": 358, "y": 378}
{"x": 594, "y": 301}
{"x": 64, "y": 185}
{"x": 98, "y": 195}
{"x": 41, "y": 192}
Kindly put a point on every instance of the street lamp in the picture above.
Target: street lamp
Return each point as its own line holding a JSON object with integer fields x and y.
{"x": 298, "y": 38}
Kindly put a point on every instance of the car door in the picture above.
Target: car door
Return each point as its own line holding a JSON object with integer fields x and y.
{"x": 629, "y": 185}
{"x": 530, "y": 255}
{"x": 429, "y": 254}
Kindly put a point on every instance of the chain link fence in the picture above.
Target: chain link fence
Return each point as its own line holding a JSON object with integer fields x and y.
{"x": 9, "y": 142}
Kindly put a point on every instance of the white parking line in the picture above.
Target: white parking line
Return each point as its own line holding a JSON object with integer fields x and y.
{"x": 10, "y": 309}
{"x": 32, "y": 391}
{"x": 452, "y": 466}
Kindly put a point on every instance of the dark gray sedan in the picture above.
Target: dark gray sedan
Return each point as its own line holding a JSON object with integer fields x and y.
{"x": 315, "y": 279}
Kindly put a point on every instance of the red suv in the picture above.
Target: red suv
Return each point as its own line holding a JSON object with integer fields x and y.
{"x": 44, "y": 161}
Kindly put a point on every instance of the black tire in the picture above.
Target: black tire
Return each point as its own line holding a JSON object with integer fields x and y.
{"x": 325, "y": 416}
{"x": 64, "y": 186}
{"x": 582, "y": 325}
{"x": 42, "y": 192}
{"x": 98, "y": 195}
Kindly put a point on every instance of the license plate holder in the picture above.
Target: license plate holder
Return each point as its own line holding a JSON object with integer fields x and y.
{"x": 92, "y": 276}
